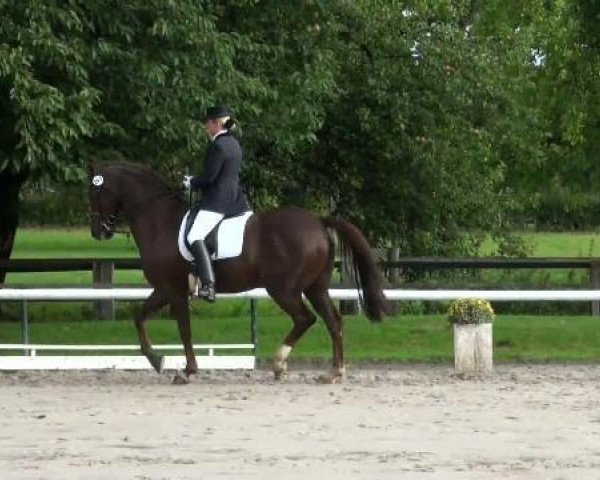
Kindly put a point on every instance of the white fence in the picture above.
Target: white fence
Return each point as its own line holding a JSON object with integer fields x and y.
{"x": 71, "y": 294}
{"x": 26, "y": 356}
{"x": 29, "y": 358}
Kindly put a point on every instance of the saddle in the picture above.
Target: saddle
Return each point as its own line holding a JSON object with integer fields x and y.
{"x": 224, "y": 241}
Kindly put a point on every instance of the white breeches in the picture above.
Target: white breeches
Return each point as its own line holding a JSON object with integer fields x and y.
{"x": 203, "y": 224}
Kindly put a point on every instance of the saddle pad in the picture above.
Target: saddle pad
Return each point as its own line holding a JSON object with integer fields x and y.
{"x": 230, "y": 237}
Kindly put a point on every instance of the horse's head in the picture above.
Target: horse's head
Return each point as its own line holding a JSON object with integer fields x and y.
{"x": 125, "y": 191}
{"x": 105, "y": 201}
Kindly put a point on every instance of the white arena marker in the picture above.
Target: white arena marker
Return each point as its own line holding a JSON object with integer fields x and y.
{"x": 34, "y": 360}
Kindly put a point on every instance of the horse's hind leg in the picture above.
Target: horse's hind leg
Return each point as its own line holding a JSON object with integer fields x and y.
{"x": 291, "y": 303}
{"x": 318, "y": 296}
{"x": 154, "y": 302}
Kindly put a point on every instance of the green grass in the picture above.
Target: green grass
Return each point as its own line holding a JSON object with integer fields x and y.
{"x": 425, "y": 338}
{"x": 69, "y": 243}
{"x": 56, "y": 243}
{"x": 557, "y": 244}
{"x": 121, "y": 277}
{"x": 61, "y": 243}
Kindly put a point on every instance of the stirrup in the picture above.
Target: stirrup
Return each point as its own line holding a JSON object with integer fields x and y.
{"x": 207, "y": 292}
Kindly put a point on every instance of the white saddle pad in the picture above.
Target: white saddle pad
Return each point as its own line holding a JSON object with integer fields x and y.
{"x": 230, "y": 237}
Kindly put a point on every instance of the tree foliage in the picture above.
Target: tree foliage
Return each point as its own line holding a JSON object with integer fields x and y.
{"x": 429, "y": 123}
{"x": 424, "y": 128}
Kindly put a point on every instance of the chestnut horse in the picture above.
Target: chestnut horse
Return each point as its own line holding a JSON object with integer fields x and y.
{"x": 288, "y": 251}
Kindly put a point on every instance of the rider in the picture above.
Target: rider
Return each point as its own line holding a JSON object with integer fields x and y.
{"x": 222, "y": 194}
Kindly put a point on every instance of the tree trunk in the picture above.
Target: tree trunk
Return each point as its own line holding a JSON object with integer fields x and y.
{"x": 10, "y": 186}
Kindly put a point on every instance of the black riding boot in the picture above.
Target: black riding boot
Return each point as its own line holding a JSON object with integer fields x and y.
{"x": 203, "y": 270}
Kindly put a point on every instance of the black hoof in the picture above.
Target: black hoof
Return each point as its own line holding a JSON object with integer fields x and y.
{"x": 180, "y": 379}
{"x": 157, "y": 362}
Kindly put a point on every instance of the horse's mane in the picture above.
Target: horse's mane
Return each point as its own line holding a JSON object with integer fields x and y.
{"x": 149, "y": 175}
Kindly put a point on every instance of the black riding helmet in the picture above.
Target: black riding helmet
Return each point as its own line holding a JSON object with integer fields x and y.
{"x": 217, "y": 111}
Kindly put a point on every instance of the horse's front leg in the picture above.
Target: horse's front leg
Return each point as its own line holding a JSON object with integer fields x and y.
{"x": 154, "y": 302}
{"x": 181, "y": 312}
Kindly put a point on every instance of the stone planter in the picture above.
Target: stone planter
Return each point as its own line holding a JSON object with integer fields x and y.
{"x": 473, "y": 349}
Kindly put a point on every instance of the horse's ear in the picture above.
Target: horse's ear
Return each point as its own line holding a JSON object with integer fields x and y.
{"x": 90, "y": 169}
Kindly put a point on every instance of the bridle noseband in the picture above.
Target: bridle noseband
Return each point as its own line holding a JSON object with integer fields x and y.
{"x": 107, "y": 224}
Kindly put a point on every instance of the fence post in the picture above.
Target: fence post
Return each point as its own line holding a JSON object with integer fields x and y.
{"x": 393, "y": 275}
{"x": 595, "y": 283}
{"x": 102, "y": 277}
{"x": 24, "y": 325}
{"x": 473, "y": 349}
{"x": 348, "y": 307}
{"x": 254, "y": 325}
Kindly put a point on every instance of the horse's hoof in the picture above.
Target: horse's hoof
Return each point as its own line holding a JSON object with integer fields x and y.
{"x": 337, "y": 376}
{"x": 180, "y": 379}
{"x": 279, "y": 370}
{"x": 328, "y": 379}
{"x": 157, "y": 362}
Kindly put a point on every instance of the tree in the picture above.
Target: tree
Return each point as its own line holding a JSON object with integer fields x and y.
{"x": 128, "y": 79}
{"x": 427, "y": 122}
{"x": 285, "y": 49}
{"x": 83, "y": 80}
{"x": 412, "y": 140}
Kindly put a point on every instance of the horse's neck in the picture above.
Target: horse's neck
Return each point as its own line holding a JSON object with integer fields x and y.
{"x": 151, "y": 213}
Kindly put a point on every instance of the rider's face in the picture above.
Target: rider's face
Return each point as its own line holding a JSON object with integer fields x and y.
{"x": 212, "y": 127}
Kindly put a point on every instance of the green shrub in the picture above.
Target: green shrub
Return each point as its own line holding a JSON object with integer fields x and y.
{"x": 65, "y": 205}
{"x": 470, "y": 311}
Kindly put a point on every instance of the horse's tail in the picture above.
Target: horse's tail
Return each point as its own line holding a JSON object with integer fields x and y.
{"x": 360, "y": 263}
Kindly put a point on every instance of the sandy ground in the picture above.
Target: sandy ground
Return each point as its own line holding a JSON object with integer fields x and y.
{"x": 410, "y": 422}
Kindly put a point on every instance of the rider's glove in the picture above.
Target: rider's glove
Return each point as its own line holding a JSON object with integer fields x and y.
{"x": 187, "y": 181}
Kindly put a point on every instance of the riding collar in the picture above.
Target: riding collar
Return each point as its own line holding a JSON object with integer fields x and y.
{"x": 218, "y": 134}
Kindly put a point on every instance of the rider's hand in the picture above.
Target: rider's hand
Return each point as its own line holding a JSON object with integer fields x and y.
{"x": 187, "y": 181}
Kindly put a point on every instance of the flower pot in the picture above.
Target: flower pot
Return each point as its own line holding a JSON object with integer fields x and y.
{"x": 473, "y": 348}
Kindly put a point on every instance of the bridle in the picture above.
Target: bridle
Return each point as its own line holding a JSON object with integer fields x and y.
{"x": 108, "y": 222}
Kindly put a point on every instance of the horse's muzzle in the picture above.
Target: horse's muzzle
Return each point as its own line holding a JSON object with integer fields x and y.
{"x": 102, "y": 232}
{"x": 102, "y": 229}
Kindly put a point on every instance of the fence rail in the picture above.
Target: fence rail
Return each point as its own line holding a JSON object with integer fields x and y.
{"x": 31, "y": 360}
{"x": 77, "y": 294}
{"x": 103, "y": 271}
{"x": 83, "y": 264}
